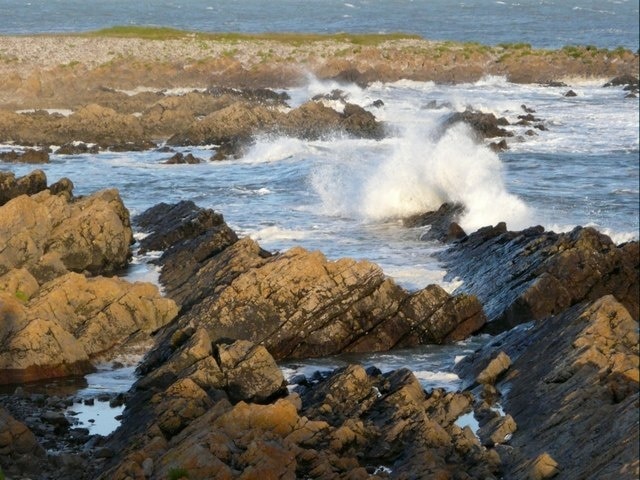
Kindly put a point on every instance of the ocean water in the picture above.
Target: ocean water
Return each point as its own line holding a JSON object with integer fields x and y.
{"x": 347, "y": 197}
{"x": 542, "y": 23}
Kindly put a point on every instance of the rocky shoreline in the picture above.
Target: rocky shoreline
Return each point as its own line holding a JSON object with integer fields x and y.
{"x": 211, "y": 402}
{"x": 133, "y": 93}
{"x": 554, "y": 394}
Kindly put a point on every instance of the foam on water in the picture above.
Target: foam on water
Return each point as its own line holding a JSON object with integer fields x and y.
{"x": 422, "y": 172}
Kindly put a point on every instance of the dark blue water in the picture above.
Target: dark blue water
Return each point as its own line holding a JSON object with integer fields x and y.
{"x": 542, "y": 23}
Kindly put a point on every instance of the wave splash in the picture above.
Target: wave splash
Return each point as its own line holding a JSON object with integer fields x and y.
{"x": 421, "y": 173}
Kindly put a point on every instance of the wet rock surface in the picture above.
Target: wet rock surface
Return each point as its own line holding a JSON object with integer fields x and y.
{"x": 576, "y": 410}
{"x": 531, "y": 274}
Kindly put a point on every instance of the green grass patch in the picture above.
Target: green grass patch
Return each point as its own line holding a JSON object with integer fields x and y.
{"x": 177, "y": 473}
{"x": 23, "y": 297}
{"x": 165, "y": 33}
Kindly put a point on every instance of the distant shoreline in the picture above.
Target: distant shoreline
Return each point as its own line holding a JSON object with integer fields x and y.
{"x": 61, "y": 70}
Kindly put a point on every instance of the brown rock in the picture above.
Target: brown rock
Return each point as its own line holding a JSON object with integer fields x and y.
{"x": 28, "y": 156}
{"x": 543, "y": 467}
{"x": 71, "y": 320}
{"x": 496, "y": 367}
{"x": 10, "y": 187}
{"x": 48, "y": 234}
{"x": 250, "y": 372}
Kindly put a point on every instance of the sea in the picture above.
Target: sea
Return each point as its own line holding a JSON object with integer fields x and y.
{"x": 346, "y": 197}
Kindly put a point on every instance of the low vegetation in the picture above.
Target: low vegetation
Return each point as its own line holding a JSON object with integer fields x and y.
{"x": 165, "y": 33}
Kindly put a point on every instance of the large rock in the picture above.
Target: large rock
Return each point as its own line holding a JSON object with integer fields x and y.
{"x": 297, "y": 304}
{"x": 242, "y": 120}
{"x": 70, "y": 321}
{"x": 521, "y": 276}
{"x": 486, "y": 125}
{"x": 572, "y": 389}
{"x": 11, "y": 187}
{"x": 51, "y": 234}
{"x": 27, "y": 156}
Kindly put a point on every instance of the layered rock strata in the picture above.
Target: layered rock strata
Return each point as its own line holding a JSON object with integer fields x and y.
{"x": 297, "y": 303}
{"x": 531, "y": 274}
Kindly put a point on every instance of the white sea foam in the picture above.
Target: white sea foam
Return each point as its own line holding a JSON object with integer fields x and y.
{"x": 274, "y": 233}
{"x": 420, "y": 174}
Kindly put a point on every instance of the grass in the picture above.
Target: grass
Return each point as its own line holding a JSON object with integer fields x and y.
{"x": 176, "y": 473}
{"x": 23, "y": 297}
{"x": 165, "y": 33}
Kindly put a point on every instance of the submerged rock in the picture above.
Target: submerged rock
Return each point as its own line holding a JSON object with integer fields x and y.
{"x": 28, "y": 156}
{"x": 486, "y": 125}
{"x": 442, "y": 223}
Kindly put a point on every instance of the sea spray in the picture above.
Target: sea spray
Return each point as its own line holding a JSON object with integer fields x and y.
{"x": 419, "y": 172}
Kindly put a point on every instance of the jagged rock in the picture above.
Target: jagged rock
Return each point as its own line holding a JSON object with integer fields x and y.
{"x": 297, "y": 303}
{"x": 496, "y": 367}
{"x": 239, "y": 120}
{"x": 250, "y": 372}
{"x": 346, "y": 426}
{"x": 442, "y": 223}
{"x": 547, "y": 272}
{"x": 28, "y": 156}
{"x": 48, "y": 234}
{"x": 77, "y": 148}
{"x": 103, "y": 126}
{"x": 486, "y": 125}
{"x": 544, "y": 467}
{"x": 500, "y": 146}
{"x": 10, "y": 187}
{"x": 180, "y": 158}
{"x": 570, "y": 93}
{"x": 71, "y": 320}
{"x": 237, "y": 123}
{"x": 573, "y": 381}
{"x": 623, "y": 80}
{"x": 264, "y": 96}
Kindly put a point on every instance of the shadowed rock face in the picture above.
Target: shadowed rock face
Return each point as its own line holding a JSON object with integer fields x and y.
{"x": 521, "y": 276}
{"x": 572, "y": 389}
{"x": 297, "y": 304}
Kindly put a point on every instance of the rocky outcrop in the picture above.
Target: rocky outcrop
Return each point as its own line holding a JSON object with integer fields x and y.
{"x": 56, "y": 330}
{"x": 50, "y": 234}
{"x": 181, "y": 158}
{"x": 572, "y": 389}
{"x": 485, "y": 125}
{"x": 442, "y": 223}
{"x": 353, "y": 424}
{"x": 27, "y": 156}
{"x": 240, "y": 121}
{"x": 531, "y": 274}
{"x": 297, "y": 304}
{"x": 11, "y": 187}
